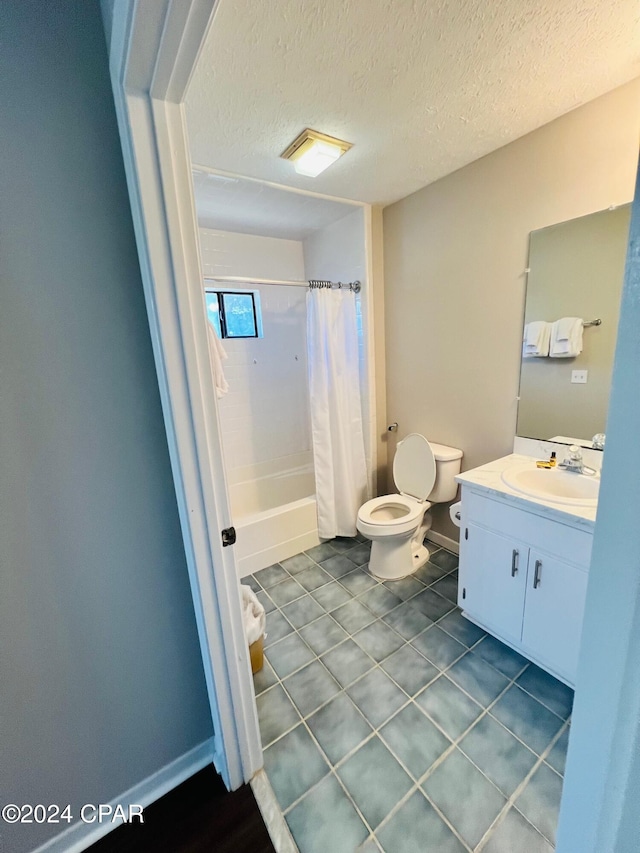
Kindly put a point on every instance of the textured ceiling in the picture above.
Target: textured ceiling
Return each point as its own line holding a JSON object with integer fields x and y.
{"x": 421, "y": 87}
{"x": 250, "y": 207}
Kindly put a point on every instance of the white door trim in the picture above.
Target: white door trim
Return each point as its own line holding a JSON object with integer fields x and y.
{"x": 153, "y": 48}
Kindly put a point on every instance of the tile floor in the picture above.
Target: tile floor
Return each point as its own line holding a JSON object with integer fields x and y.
{"x": 391, "y": 723}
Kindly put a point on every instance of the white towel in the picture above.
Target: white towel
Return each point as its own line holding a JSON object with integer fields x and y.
{"x": 536, "y": 339}
{"x": 217, "y": 356}
{"x": 566, "y": 337}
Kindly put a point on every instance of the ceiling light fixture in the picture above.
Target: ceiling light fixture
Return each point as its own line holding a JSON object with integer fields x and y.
{"x": 313, "y": 152}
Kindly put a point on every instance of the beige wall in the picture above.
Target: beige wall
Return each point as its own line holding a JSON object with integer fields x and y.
{"x": 454, "y": 256}
{"x": 380, "y": 367}
{"x": 576, "y": 270}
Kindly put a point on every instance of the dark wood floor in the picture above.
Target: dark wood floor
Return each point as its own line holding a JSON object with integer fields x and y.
{"x": 199, "y": 816}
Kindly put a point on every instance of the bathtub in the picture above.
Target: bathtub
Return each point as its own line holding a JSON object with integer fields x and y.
{"x": 273, "y": 506}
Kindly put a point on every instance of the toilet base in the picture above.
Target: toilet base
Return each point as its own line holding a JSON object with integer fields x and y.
{"x": 396, "y": 557}
{"x": 420, "y": 557}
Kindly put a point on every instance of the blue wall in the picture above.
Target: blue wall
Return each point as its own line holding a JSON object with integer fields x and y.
{"x": 101, "y": 680}
{"x": 600, "y": 810}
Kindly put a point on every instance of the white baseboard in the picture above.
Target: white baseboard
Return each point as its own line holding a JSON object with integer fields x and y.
{"x": 80, "y": 835}
{"x": 443, "y": 541}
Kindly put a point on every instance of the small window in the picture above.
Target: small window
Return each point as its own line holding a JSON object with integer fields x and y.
{"x": 234, "y": 313}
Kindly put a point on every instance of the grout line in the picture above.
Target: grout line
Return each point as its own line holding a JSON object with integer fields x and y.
{"x": 344, "y": 689}
{"x": 455, "y": 745}
{"x": 484, "y": 712}
{"x": 511, "y": 799}
{"x": 353, "y": 598}
{"x": 376, "y": 731}
{"x": 370, "y": 839}
{"x": 274, "y": 820}
{"x": 377, "y": 665}
{"x": 537, "y": 698}
{"x": 319, "y": 564}
{"x": 553, "y": 769}
{"x": 415, "y": 787}
{"x": 437, "y": 810}
{"x": 331, "y": 772}
{"x": 514, "y": 796}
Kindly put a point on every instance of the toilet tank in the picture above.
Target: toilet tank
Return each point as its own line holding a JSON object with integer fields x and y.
{"x": 448, "y": 462}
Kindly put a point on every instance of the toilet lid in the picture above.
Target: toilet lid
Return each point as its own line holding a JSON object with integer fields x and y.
{"x": 414, "y": 467}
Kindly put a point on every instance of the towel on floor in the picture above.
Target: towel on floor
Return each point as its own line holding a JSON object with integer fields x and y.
{"x": 217, "y": 355}
{"x": 535, "y": 343}
{"x": 566, "y": 337}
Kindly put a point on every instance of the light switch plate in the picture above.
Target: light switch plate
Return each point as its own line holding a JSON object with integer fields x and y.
{"x": 579, "y": 377}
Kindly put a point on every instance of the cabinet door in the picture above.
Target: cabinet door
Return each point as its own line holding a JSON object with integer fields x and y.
{"x": 554, "y": 606}
{"x": 492, "y": 580}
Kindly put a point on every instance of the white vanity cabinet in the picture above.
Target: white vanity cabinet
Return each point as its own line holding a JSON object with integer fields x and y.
{"x": 523, "y": 578}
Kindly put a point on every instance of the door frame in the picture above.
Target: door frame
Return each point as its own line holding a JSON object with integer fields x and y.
{"x": 153, "y": 47}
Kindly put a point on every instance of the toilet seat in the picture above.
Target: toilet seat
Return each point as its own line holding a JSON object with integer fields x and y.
{"x": 395, "y": 513}
{"x": 414, "y": 473}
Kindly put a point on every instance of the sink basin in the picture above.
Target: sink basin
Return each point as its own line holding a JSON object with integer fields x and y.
{"x": 553, "y": 484}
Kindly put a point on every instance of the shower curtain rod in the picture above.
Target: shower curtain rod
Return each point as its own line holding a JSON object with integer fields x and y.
{"x": 317, "y": 284}
{"x": 351, "y": 285}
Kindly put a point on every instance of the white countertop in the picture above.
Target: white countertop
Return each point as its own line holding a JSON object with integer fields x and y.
{"x": 488, "y": 479}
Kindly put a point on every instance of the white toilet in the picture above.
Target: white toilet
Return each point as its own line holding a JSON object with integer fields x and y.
{"x": 424, "y": 473}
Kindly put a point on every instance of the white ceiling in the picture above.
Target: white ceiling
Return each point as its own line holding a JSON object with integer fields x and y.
{"x": 250, "y": 207}
{"x": 421, "y": 87}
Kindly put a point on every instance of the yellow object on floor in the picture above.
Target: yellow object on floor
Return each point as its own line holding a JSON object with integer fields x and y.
{"x": 256, "y": 652}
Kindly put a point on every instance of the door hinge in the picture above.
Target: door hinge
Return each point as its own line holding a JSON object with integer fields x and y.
{"x": 464, "y": 592}
{"x": 466, "y": 533}
{"x": 228, "y": 536}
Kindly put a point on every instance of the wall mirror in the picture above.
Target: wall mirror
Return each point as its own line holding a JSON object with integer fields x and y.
{"x": 576, "y": 269}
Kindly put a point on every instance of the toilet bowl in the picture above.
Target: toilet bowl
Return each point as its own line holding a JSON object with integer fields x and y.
{"x": 424, "y": 473}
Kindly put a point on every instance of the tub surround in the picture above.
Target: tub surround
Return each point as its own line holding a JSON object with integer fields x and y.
{"x": 268, "y": 455}
{"x": 269, "y": 464}
{"x": 266, "y": 485}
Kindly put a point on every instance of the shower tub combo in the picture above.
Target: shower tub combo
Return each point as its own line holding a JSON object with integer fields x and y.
{"x": 273, "y": 506}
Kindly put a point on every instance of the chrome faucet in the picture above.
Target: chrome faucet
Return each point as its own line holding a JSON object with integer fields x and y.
{"x": 573, "y": 462}
{"x": 597, "y": 442}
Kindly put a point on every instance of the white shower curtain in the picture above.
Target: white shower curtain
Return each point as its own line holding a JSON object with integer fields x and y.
{"x": 336, "y": 412}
